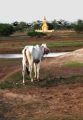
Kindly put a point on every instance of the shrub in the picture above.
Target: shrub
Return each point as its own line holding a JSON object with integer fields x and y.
{"x": 79, "y": 26}
{"x": 36, "y": 34}
{"x": 6, "y": 29}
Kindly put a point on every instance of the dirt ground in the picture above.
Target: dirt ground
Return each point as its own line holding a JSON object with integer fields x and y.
{"x": 62, "y": 101}
{"x": 15, "y": 44}
{"x": 59, "y": 102}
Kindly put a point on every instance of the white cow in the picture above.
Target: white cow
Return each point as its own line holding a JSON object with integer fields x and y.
{"x": 33, "y": 55}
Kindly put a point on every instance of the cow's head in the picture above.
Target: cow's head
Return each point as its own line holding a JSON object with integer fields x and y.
{"x": 46, "y": 49}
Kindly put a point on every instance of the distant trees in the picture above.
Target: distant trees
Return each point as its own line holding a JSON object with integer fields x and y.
{"x": 50, "y": 26}
{"x": 61, "y": 25}
{"x": 20, "y": 26}
{"x": 78, "y": 27}
{"x": 6, "y": 29}
{"x": 56, "y": 25}
{"x": 36, "y": 25}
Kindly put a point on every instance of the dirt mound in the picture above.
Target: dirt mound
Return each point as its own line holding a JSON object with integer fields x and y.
{"x": 75, "y": 56}
{"x": 56, "y": 66}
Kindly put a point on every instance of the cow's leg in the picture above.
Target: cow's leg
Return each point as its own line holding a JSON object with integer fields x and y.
{"x": 23, "y": 72}
{"x": 24, "y": 64}
{"x": 35, "y": 70}
{"x": 30, "y": 69}
{"x": 38, "y": 68}
{"x": 30, "y": 61}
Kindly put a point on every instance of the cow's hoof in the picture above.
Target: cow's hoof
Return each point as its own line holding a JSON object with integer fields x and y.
{"x": 35, "y": 78}
{"x": 23, "y": 83}
{"x": 38, "y": 79}
{"x": 31, "y": 80}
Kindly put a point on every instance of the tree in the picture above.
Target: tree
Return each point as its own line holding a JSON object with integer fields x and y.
{"x": 36, "y": 25}
{"x": 6, "y": 29}
{"x": 50, "y": 26}
{"x": 79, "y": 26}
{"x": 29, "y": 26}
{"x": 55, "y": 24}
{"x": 61, "y": 25}
{"x": 15, "y": 23}
{"x": 21, "y": 26}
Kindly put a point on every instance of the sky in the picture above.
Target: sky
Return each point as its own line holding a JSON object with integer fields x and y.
{"x": 33, "y": 10}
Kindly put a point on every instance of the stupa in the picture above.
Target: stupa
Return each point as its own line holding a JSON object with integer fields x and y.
{"x": 44, "y": 26}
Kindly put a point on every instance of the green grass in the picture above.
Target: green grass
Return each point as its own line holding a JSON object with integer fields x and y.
{"x": 15, "y": 81}
{"x": 21, "y": 45}
{"x": 74, "y": 64}
{"x": 19, "y": 37}
{"x": 65, "y": 44}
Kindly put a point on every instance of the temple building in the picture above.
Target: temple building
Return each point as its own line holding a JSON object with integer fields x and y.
{"x": 44, "y": 26}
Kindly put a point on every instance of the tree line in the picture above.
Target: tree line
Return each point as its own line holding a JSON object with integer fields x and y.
{"x": 8, "y": 29}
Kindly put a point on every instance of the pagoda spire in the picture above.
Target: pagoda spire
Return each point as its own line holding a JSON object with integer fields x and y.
{"x": 44, "y": 26}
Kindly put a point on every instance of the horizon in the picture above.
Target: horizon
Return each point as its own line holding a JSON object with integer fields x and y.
{"x": 40, "y": 20}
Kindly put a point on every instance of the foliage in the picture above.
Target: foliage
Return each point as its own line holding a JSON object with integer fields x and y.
{"x": 15, "y": 23}
{"x": 61, "y": 25}
{"x": 6, "y": 29}
{"x": 36, "y": 25}
{"x": 50, "y": 26}
{"x": 20, "y": 26}
{"x": 79, "y": 26}
{"x": 36, "y": 34}
{"x": 56, "y": 25}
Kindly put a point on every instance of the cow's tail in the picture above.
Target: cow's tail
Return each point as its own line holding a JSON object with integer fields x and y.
{"x": 24, "y": 61}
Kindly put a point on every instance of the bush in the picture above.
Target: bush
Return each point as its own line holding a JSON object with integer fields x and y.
{"x": 79, "y": 26}
{"x": 6, "y": 29}
{"x": 36, "y": 34}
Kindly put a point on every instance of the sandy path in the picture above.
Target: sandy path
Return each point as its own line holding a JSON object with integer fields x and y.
{"x": 10, "y": 73}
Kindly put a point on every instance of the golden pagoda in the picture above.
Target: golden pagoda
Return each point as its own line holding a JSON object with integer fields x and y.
{"x": 44, "y": 26}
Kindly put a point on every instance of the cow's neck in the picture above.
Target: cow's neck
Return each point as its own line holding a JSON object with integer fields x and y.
{"x": 43, "y": 49}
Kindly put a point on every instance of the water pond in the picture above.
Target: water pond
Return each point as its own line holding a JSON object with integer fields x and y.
{"x": 20, "y": 55}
